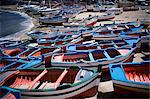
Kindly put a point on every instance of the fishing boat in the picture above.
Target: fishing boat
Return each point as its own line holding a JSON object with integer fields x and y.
{"x": 135, "y": 34}
{"x": 57, "y": 40}
{"x": 8, "y": 63}
{"x": 47, "y": 11}
{"x": 141, "y": 53}
{"x": 37, "y": 53}
{"x": 105, "y": 35}
{"x": 87, "y": 22}
{"x": 52, "y": 83}
{"x": 28, "y": 8}
{"x": 91, "y": 58}
{"x": 131, "y": 78}
{"x": 130, "y": 8}
{"x": 12, "y": 51}
{"x": 37, "y": 34}
{"x": 56, "y": 20}
{"x": 91, "y": 21}
{"x": 115, "y": 11}
{"x": 104, "y": 44}
{"x": 115, "y": 31}
{"x": 105, "y": 17}
{"x": 13, "y": 43}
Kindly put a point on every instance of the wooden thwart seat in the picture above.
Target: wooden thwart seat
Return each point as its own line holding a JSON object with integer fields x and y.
{"x": 26, "y": 83}
{"x": 137, "y": 77}
{"x": 57, "y": 83}
{"x": 37, "y": 79}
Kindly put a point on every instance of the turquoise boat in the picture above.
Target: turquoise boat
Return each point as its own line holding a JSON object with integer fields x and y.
{"x": 131, "y": 78}
{"x": 7, "y": 63}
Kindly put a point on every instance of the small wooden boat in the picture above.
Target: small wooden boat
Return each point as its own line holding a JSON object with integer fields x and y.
{"x": 37, "y": 34}
{"x": 105, "y": 17}
{"x": 52, "y": 83}
{"x": 114, "y": 32}
{"x": 135, "y": 34}
{"x": 52, "y": 21}
{"x": 8, "y": 63}
{"x": 12, "y": 51}
{"x": 87, "y": 22}
{"x": 120, "y": 43}
{"x": 57, "y": 40}
{"x": 90, "y": 21}
{"x": 37, "y": 53}
{"x": 48, "y": 10}
{"x": 115, "y": 11}
{"x": 12, "y": 43}
{"x": 127, "y": 28}
{"x": 130, "y": 8}
{"x": 28, "y": 7}
{"x": 141, "y": 53}
{"x": 91, "y": 58}
{"x": 105, "y": 35}
{"x": 131, "y": 78}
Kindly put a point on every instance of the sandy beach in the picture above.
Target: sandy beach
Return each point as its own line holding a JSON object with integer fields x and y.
{"x": 128, "y": 16}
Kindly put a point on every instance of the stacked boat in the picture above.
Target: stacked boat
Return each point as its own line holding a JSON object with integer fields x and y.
{"x": 65, "y": 63}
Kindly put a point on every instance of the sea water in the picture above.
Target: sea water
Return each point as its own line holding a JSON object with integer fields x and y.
{"x": 12, "y": 22}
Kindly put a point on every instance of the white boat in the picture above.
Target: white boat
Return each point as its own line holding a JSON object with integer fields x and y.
{"x": 115, "y": 11}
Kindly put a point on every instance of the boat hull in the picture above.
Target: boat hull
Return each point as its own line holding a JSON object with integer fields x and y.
{"x": 87, "y": 89}
{"x": 91, "y": 64}
{"x": 130, "y": 89}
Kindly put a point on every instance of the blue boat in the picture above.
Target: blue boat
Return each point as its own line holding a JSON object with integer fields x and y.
{"x": 37, "y": 34}
{"x": 32, "y": 53}
{"x": 13, "y": 43}
{"x": 135, "y": 35}
{"x": 57, "y": 40}
{"x": 91, "y": 58}
{"x": 120, "y": 43}
{"x": 7, "y": 63}
{"x": 131, "y": 78}
{"x": 113, "y": 32}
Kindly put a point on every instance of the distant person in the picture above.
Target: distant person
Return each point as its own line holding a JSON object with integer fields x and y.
{"x": 90, "y": 15}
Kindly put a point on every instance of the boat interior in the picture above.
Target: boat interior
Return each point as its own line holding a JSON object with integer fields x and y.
{"x": 26, "y": 53}
{"x": 47, "y": 39}
{"x": 140, "y": 34}
{"x": 104, "y": 46}
{"x": 98, "y": 54}
{"x": 42, "y": 51}
{"x": 47, "y": 79}
{"x": 113, "y": 53}
{"x": 137, "y": 72}
{"x": 86, "y": 47}
{"x": 9, "y": 64}
{"x": 38, "y": 52}
{"x": 39, "y": 32}
{"x": 112, "y": 44}
{"x": 104, "y": 32}
{"x": 12, "y": 52}
{"x": 75, "y": 57}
